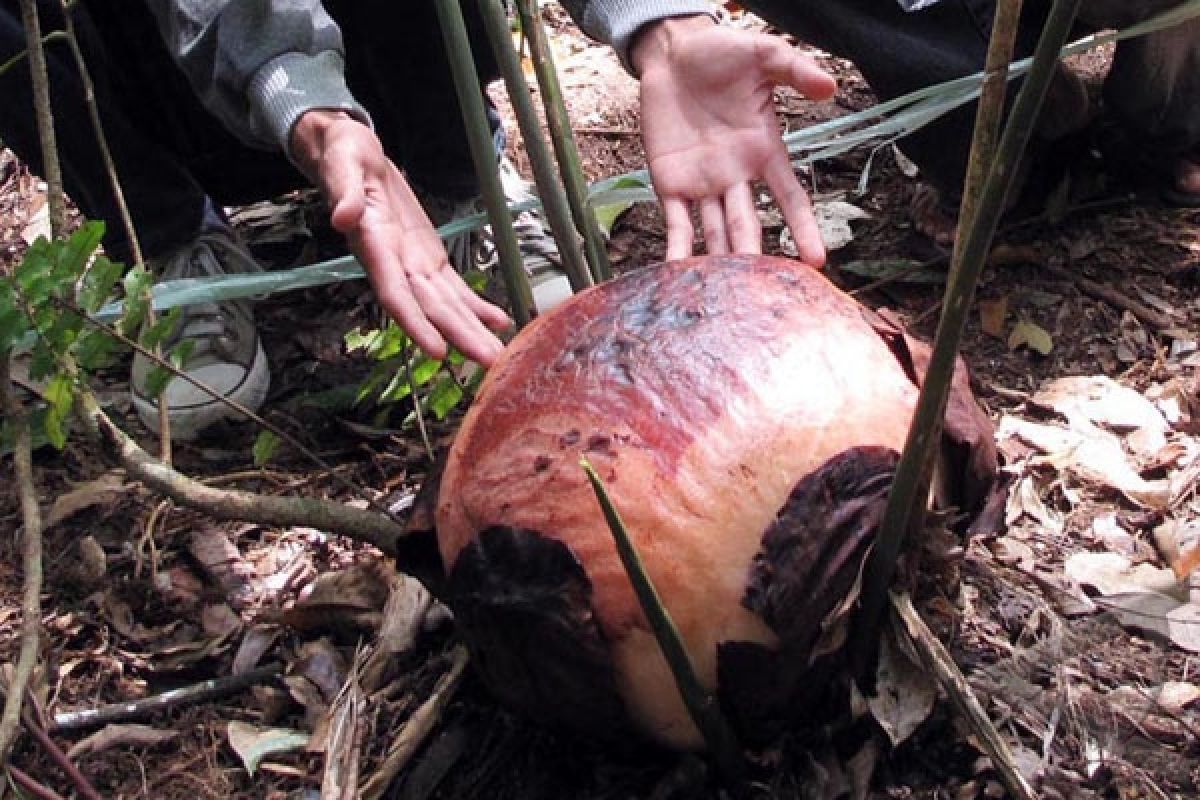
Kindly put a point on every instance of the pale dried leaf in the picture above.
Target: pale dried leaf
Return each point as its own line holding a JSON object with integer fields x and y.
{"x": 1025, "y": 500}
{"x": 905, "y": 693}
{"x": 1029, "y": 334}
{"x": 1090, "y": 454}
{"x": 1111, "y": 574}
{"x": 253, "y": 744}
{"x": 104, "y": 489}
{"x": 1101, "y": 400}
{"x": 1158, "y": 614}
{"x": 120, "y": 735}
{"x": 1107, "y": 531}
{"x": 833, "y": 220}
{"x": 365, "y": 586}
{"x": 1175, "y": 696}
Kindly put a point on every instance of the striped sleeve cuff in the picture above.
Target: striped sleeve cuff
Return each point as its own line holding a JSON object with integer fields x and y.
{"x": 616, "y": 22}
{"x": 294, "y": 83}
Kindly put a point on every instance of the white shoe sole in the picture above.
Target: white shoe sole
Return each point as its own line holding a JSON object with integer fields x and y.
{"x": 191, "y": 410}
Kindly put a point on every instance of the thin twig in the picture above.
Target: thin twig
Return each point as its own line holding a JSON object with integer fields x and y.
{"x": 27, "y": 782}
{"x": 701, "y": 705}
{"x": 49, "y": 38}
{"x": 939, "y": 663}
{"x": 185, "y": 696}
{"x": 86, "y": 790}
{"x": 31, "y": 550}
{"x": 1160, "y": 322}
{"x": 417, "y": 410}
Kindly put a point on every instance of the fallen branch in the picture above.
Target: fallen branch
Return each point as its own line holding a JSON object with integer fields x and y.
{"x": 939, "y": 663}
{"x": 31, "y": 550}
{"x": 314, "y": 512}
{"x": 1155, "y": 319}
{"x": 418, "y": 727}
{"x": 188, "y": 695}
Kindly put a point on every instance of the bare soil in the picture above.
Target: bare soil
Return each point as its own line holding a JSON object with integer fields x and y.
{"x": 157, "y": 614}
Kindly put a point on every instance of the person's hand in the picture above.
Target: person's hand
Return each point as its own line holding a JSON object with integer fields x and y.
{"x": 709, "y": 127}
{"x": 375, "y": 209}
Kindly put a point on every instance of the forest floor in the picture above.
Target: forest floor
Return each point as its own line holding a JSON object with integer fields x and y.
{"x": 1075, "y": 626}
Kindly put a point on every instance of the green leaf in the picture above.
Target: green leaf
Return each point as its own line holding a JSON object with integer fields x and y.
{"x": 424, "y": 370}
{"x": 445, "y": 396}
{"x": 99, "y": 283}
{"x": 137, "y": 285}
{"x": 160, "y": 377}
{"x": 608, "y": 214}
{"x": 60, "y": 397}
{"x": 358, "y": 340}
{"x": 392, "y": 343}
{"x": 163, "y": 327}
{"x": 79, "y": 248}
{"x": 265, "y": 447}
{"x": 94, "y": 350}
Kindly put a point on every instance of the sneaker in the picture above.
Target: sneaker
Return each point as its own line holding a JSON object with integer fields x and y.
{"x": 476, "y": 250}
{"x": 228, "y": 356}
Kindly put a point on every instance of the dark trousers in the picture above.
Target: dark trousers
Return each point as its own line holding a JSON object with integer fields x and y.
{"x": 170, "y": 153}
{"x": 1153, "y": 89}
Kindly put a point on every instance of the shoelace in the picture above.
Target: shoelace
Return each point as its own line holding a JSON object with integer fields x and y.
{"x": 217, "y": 328}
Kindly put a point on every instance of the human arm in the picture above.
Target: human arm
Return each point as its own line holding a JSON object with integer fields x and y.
{"x": 275, "y": 77}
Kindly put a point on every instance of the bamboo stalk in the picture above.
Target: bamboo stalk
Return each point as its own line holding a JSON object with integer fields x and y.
{"x": 906, "y": 501}
{"x": 563, "y": 139}
{"x": 45, "y": 117}
{"x": 483, "y": 153}
{"x": 701, "y": 706}
{"x": 550, "y": 190}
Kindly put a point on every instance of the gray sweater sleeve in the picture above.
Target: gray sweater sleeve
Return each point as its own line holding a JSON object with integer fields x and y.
{"x": 616, "y": 22}
{"x": 258, "y": 64}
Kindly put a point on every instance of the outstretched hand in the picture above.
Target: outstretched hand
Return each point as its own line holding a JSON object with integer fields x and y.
{"x": 709, "y": 127}
{"x": 375, "y": 209}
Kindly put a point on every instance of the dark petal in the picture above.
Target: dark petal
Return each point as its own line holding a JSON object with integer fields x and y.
{"x": 524, "y": 606}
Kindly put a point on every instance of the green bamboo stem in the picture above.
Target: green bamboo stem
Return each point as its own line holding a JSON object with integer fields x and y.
{"x": 561, "y": 135}
{"x": 550, "y": 191}
{"x": 701, "y": 706}
{"x": 907, "y": 499}
{"x": 483, "y": 153}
